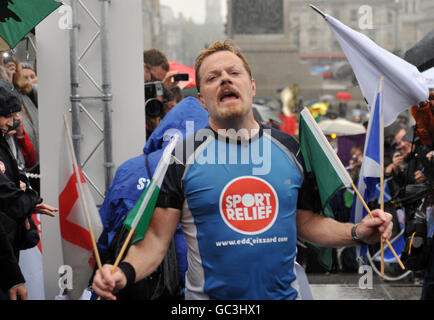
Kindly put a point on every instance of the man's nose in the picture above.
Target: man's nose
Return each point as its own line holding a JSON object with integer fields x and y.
{"x": 225, "y": 78}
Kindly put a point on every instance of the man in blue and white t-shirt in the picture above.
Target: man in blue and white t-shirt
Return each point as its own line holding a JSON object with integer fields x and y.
{"x": 241, "y": 195}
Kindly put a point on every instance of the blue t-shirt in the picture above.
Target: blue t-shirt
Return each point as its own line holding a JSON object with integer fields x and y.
{"x": 238, "y": 202}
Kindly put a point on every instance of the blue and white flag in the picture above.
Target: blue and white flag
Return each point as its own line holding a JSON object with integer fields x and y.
{"x": 373, "y": 155}
{"x": 386, "y": 192}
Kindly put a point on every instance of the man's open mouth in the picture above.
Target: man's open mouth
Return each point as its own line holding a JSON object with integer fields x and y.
{"x": 228, "y": 95}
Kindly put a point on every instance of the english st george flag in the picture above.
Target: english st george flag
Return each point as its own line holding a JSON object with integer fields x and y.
{"x": 76, "y": 240}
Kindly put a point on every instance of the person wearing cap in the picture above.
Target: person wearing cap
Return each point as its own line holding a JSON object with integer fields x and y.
{"x": 17, "y": 200}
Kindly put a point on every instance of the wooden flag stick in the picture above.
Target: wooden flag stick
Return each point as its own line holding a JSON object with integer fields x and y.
{"x": 370, "y": 213}
{"x": 121, "y": 253}
{"x": 124, "y": 247}
{"x": 81, "y": 193}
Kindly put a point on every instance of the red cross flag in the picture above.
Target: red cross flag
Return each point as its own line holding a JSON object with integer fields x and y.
{"x": 77, "y": 223}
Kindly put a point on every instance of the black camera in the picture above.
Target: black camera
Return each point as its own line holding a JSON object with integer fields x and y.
{"x": 15, "y": 125}
{"x": 154, "y": 108}
{"x": 180, "y": 77}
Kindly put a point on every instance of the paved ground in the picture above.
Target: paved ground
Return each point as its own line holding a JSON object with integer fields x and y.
{"x": 344, "y": 286}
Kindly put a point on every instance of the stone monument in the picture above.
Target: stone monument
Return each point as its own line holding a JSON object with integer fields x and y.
{"x": 262, "y": 31}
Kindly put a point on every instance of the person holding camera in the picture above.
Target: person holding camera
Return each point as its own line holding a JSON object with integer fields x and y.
{"x": 29, "y": 111}
{"x": 156, "y": 67}
{"x": 405, "y": 166}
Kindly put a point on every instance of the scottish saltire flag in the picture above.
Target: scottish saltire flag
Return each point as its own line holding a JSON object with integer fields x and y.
{"x": 386, "y": 192}
{"x": 371, "y": 169}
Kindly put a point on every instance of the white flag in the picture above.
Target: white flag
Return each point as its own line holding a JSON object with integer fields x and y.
{"x": 404, "y": 85}
{"x": 76, "y": 240}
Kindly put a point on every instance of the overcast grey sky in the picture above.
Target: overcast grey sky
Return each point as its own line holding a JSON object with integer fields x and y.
{"x": 191, "y": 8}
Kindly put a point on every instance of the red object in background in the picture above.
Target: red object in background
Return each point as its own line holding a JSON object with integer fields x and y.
{"x": 184, "y": 69}
{"x": 343, "y": 95}
{"x": 326, "y": 74}
{"x": 288, "y": 125}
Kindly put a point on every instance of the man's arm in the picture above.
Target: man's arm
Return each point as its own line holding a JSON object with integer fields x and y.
{"x": 144, "y": 256}
{"x": 327, "y": 232}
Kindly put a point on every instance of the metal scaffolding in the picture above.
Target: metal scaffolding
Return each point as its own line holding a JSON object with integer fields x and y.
{"x": 78, "y": 101}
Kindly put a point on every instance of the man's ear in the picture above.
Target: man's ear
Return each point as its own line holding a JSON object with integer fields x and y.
{"x": 202, "y": 102}
{"x": 253, "y": 87}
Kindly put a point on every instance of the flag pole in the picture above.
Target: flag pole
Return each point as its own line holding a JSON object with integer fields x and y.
{"x": 317, "y": 10}
{"x": 382, "y": 167}
{"x": 81, "y": 193}
{"x": 338, "y": 161}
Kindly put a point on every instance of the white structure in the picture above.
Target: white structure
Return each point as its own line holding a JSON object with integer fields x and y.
{"x": 125, "y": 66}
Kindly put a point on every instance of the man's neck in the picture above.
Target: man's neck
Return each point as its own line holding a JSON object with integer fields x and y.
{"x": 236, "y": 128}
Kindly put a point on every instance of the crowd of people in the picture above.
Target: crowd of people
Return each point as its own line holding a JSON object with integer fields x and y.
{"x": 19, "y": 166}
{"x": 202, "y": 207}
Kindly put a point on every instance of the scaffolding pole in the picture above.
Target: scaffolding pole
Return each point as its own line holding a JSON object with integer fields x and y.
{"x": 74, "y": 66}
{"x": 107, "y": 96}
{"x": 106, "y": 90}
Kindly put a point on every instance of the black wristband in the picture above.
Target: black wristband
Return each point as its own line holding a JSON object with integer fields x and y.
{"x": 354, "y": 236}
{"x": 129, "y": 272}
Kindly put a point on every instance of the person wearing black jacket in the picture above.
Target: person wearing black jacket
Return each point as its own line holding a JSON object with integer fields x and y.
{"x": 17, "y": 200}
{"x": 12, "y": 279}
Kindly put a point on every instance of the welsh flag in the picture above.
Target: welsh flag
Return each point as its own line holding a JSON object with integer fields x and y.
{"x": 138, "y": 219}
{"x": 322, "y": 160}
{"x": 19, "y": 17}
{"x": 74, "y": 227}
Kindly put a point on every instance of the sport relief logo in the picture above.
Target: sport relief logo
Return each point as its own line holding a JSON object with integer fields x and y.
{"x": 249, "y": 205}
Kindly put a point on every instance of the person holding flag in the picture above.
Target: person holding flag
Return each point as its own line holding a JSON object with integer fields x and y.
{"x": 241, "y": 221}
{"x": 131, "y": 179}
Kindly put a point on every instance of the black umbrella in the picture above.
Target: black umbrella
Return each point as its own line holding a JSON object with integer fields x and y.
{"x": 422, "y": 53}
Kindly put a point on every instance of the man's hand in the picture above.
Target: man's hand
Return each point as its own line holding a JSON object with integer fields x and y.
{"x": 168, "y": 79}
{"x": 419, "y": 177}
{"x": 397, "y": 160}
{"x": 107, "y": 283}
{"x": 43, "y": 208}
{"x": 18, "y": 291}
{"x": 370, "y": 230}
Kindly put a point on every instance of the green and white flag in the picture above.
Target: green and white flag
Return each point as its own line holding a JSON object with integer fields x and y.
{"x": 139, "y": 217}
{"x": 19, "y": 17}
{"x": 322, "y": 160}
{"x": 330, "y": 174}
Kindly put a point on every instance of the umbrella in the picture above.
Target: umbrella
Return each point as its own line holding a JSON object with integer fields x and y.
{"x": 422, "y": 53}
{"x": 326, "y": 97}
{"x": 341, "y": 127}
{"x": 19, "y": 17}
{"x": 318, "y": 109}
{"x": 344, "y": 95}
{"x": 263, "y": 113}
{"x": 184, "y": 69}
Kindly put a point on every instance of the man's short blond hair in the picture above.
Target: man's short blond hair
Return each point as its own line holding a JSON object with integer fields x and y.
{"x": 216, "y": 47}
